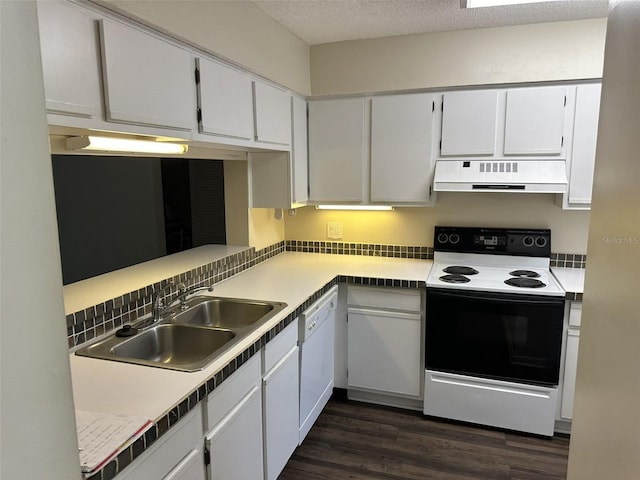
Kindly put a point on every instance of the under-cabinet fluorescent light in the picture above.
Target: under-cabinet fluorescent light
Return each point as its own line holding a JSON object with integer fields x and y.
{"x": 355, "y": 207}
{"x": 498, "y": 3}
{"x": 113, "y": 144}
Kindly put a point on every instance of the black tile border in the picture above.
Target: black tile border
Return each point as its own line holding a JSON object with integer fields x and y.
{"x": 574, "y": 296}
{"x": 360, "y": 249}
{"x": 568, "y": 260}
{"x": 189, "y": 402}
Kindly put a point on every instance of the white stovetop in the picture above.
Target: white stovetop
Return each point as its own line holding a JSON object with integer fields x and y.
{"x": 120, "y": 388}
{"x": 493, "y": 270}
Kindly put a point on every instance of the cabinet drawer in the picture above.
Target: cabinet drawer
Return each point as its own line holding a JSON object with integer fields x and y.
{"x": 575, "y": 314}
{"x": 170, "y": 452}
{"x": 279, "y": 346}
{"x": 387, "y": 298}
{"x": 225, "y": 397}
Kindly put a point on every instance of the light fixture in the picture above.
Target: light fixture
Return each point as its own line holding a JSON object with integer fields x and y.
{"x": 498, "y": 3}
{"x": 124, "y": 145}
{"x": 375, "y": 208}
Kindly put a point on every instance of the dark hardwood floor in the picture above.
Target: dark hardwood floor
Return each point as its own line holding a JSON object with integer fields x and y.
{"x": 359, "y": 441}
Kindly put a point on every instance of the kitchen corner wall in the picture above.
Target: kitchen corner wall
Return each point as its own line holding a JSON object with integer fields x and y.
{"x": 414, "y": 226}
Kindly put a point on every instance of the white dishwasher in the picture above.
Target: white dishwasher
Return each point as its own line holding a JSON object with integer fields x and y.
{"x": 317, "y": 327}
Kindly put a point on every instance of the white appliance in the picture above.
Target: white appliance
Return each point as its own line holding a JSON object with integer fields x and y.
{"x": 316, "y": 338}
{"x": 529, "y": 176}
{"x": 493, "y": 336}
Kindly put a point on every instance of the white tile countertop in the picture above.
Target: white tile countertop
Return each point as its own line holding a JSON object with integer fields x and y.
{"x": 292, "y": 277}
{"x": 571, "y": 279}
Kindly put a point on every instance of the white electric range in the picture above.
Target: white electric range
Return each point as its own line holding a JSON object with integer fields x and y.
{"x": 493, "y": 336}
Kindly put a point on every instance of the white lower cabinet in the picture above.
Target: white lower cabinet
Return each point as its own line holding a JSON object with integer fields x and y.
{"x": 384, "y": 353}
{"x": 280, "y": 396}
{"x": 175, "y": 456}
{"x": 234, "y": 439}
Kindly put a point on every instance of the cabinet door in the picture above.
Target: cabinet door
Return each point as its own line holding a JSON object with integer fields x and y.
{"x": 299, "y": 157}
{"x": 401, "y": 160}
{"x": 280, "y": 398}
{"x": 273, "y": 114}
{"x": 534, "y": 122}
{"x": 384, "y": 351}
{"x": 585, "y": 132}
{"x": 469, "y": 123}
{"x": 68, "y": 42}
{"x": 225, "y": 101}
{"x": 235, "y": 443}
{"x": 570, "y": 367}
{"x": 336, "y": 150}
{"x": 147, "y": 81}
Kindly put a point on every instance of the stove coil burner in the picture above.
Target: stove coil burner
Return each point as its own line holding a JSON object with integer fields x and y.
{"x": 455, "y": 278}
{"x": 524, "y": 273}
{"x": 460, "y": 270}
{"x": 525, "y": 282}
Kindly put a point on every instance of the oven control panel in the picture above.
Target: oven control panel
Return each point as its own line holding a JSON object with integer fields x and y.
{"x": 505, "y": 241}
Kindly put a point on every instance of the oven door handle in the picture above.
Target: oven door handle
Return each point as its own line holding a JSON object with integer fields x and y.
{"x": 499, "y": 297}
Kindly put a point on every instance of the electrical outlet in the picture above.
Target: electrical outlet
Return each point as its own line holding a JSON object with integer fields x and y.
{"x": 334, "y": 230}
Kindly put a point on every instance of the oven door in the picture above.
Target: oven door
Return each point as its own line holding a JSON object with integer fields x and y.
{"x": 509, "y": 337}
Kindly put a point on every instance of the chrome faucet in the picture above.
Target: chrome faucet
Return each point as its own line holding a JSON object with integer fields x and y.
{"x": 184, "y": 292}
{"x": 156, "y": 302}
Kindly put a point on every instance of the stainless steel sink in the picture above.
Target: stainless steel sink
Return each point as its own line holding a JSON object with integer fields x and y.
{"x": 223, "y": 312}
{"x": 188, "y": 338}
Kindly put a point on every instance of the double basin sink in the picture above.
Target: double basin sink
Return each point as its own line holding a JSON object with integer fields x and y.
{"x": 188, "y": 337}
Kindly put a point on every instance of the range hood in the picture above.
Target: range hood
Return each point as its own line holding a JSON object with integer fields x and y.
{"x": 527, "y": 176}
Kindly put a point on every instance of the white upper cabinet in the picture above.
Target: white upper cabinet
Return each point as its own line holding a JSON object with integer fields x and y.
{"x": 534, "y": 121}
{"x": 401, "y": 140}
{"x": 469, "y": 122}
{"x": 147, "y": 81}
{"x": 69, "y": 46}
{"x": 336, "y": 150}
{"x": 225, "y": 100}
{"x": 585, "y": 132}
{"x": 272, "y": 114}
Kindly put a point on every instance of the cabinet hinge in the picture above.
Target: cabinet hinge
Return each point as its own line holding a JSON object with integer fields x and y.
{"x": 562, "y": 141}
{"x": 207, "y": 456}
{"x": 197, "y": 74}
{"x": 442, "y": 106}
{"x": 199, "y": 114}
{"x": 440, "y": 145}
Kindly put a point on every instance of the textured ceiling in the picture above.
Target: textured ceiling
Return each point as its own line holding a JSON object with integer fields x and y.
{"x": 325, "y": 21}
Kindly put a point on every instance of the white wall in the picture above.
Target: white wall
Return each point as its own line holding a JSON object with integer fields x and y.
{"x": 605, "y": 438}
{"x": 521, "y": 53}
{"x": 236, "y": 30}
{"x": 38, "y": 433}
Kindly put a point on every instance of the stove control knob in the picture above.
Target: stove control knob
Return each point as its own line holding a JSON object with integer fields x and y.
{"x": 454, "y": 238}
{"x": 541, "y": 242}
{"x": 443, "y": 238}
{"x": 527, "y": 241}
